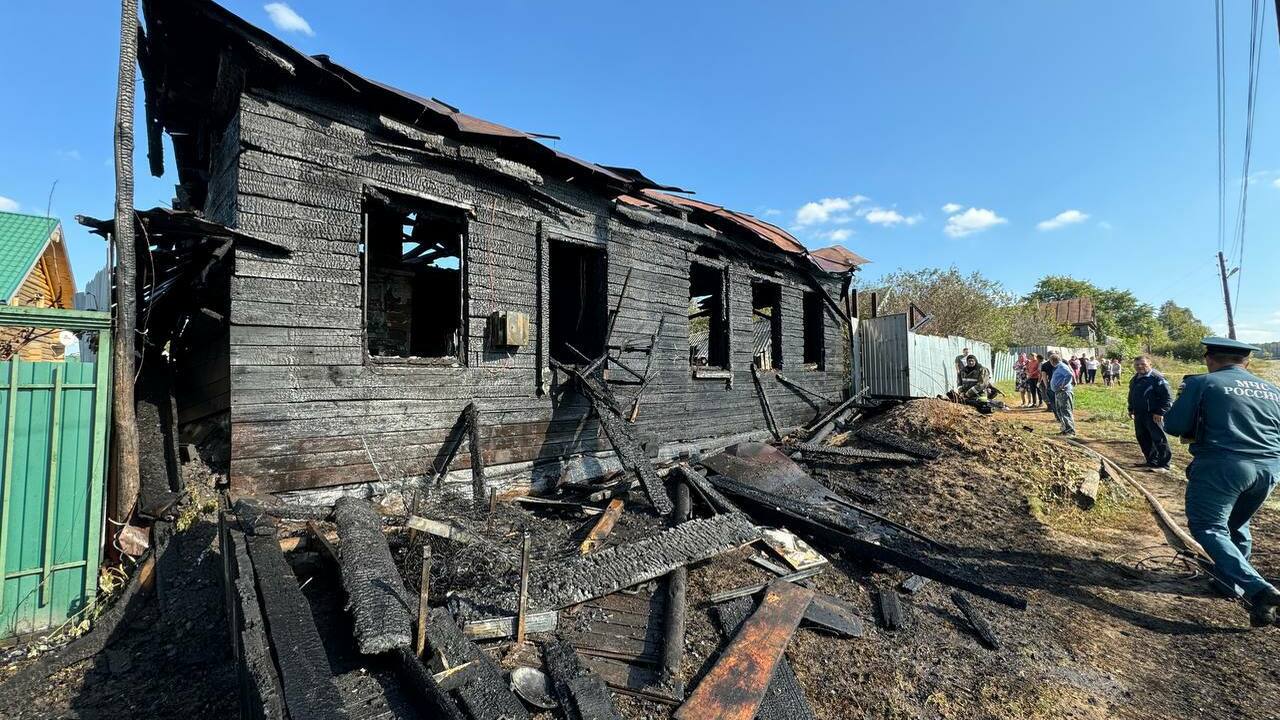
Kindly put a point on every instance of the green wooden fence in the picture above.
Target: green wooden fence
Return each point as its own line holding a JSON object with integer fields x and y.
{"x": 54, "y": 419}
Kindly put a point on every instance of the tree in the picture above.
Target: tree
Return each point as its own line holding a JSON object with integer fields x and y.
{"x": 972, "y": 306}
{"x": 1181, "y": 323}
{"x": 1116, "y": 311}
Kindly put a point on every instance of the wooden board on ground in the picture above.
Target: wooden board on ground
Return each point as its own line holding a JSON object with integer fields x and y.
{"x": 736, "y": 685}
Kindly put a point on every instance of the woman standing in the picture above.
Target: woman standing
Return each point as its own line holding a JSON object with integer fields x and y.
{"x": 1032, "y": 382}
{"x": 1020, "y": 376}
{"x": 1091, "y": 367}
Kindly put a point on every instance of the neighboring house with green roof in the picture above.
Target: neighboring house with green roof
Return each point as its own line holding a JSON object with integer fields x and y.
{"x": 34, "y": 272}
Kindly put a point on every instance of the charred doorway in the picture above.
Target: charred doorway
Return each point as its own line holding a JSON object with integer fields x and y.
{"x": 579, "y": 301}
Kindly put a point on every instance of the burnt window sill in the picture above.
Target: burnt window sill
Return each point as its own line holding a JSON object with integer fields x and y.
{"x": 440, "y": 362}
{"x": 712, "y": 374}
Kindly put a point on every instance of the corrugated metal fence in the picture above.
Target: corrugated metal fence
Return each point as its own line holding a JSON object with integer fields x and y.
{"x": 899, "y": 363}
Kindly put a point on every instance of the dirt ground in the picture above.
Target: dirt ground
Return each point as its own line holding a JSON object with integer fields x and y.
{"x": 1115, "y": 627}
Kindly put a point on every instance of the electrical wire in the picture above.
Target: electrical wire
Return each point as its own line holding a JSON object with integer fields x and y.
{"x": 1219, "y": 41}
{"x": 1257, "y": 21}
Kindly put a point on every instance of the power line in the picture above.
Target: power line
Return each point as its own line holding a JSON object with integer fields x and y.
{"x": 1219, "y": 37}
{"x": 1257, "y": 21}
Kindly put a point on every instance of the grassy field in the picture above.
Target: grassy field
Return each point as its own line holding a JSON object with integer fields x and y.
{"x": 1102, "y": 412}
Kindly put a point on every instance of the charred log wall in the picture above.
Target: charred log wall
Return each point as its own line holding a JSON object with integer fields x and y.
{"x": 308, "y": 410}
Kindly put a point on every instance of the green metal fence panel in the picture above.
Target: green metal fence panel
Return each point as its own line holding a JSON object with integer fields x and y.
{"x": 53, "y": 446}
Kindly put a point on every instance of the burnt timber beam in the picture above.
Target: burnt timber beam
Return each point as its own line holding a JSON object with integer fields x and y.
{"x": 830, "y": 527}
{"x": 900, "y": 443}
{"x": 307, "y": 681}
{"x": 582, "y": 694}
{"x": 677, "y": 596}
{"x": 629, "y": 451}
{"x": 584, "y": 577}
{"x": 485, "y": 694}
{"x": 769, "y": 420}
{"x": 380, "y": 604}
{"x": 737, "y": 684}
{"x": 979, "y": 623}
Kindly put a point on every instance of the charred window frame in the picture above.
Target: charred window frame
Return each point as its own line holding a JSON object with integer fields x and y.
{"x": 815, "y": 331}
{"x": 413, "y": 258}
{"x": 709, "y": 330}
{"x": 766, "y": 324}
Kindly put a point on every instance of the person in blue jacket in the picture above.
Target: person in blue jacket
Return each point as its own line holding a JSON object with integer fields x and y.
{"x": 1232, "y": 419}
{"x": 1062, "y": 383}
{"x": 1149, "y": 399}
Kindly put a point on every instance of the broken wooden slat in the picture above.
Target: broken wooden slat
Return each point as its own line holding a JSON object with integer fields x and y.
{"x": 784, "y": 699}
{"x": 522, "y": 601}
{"x": 742, "y": 592}
{"x": 585, "y": 577}
{"x": 604, "y": 526}
{"x": 305, "y": 677}
{"x": 629, "y": 451}
{"x": 321, "y": 537}
{"x": 1087, "y": 490}
{"x": 439, "y": 529}
{"x": 424, "y": 590}
{"x": 769, "y": 420}
{"x": 377, "y": 597}
{"x": 582, "y": 693}
{"x": 505, "y": 627}
{"x": 889, "y": 607}
{"x": 697, "y": 481}
{"x": 980, "y": 625}
{"x": 477, "y": 455}
{"x": 485, "y": 694}
{"x": 831, "y": 452}
{"x": 736, "y": 685}
{"x": 415, "y": 676}
{"x": 833, "y": 615}
{"x": 914, "y": 584}
{"x": 898, "y": 442}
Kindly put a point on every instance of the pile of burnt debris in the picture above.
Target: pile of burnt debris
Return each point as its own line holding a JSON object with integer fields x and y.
{"x": 575, "y": 603}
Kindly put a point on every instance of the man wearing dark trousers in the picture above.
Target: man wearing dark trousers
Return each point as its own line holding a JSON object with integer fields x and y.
{"x": 1149, "y": 400}
{"x": 1232, "y": 419}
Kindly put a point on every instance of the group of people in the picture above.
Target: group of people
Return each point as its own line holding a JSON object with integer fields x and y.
{"x": 1031, "y": 371}
{"x": 1231, "y": 419}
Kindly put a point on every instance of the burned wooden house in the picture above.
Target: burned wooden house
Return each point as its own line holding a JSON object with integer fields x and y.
{"x": 426, "y": 259}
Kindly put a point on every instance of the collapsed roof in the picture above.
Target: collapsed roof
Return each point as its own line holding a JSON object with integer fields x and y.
{"x": 196, "y": 53}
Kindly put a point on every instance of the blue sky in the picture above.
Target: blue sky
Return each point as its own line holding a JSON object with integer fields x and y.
{"x": 918, "y": 134}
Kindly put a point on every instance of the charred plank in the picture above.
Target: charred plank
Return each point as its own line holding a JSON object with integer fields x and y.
{"x": 979, "y": 623}
{"x": 737, "y": 684}
{"x": 582, "y": 694}
{"x": 900, "y": 443}
{"x": 784, "y": 699}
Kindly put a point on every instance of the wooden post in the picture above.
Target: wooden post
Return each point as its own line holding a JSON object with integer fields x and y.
{"x": 523, "y": 607}
{"x": 477, "y": 458}
{"x": 677, "y": 591}
{"x": 1226, "y": 295}
{"x": 420, "y": 643}
{"x": 126, "y": 428}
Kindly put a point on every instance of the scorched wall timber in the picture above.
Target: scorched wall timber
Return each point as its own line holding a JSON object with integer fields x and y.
{"x": 306, "y": 408}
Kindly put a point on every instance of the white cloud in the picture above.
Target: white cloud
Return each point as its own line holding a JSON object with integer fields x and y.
{"x": 1062, "y": 219}
{"x": 950, "y": 208}
{"x": 1276, "y": 182}
{"x": 1104, "y": 225}
{"x": 69, "y": 154}
{"x": 827, "y": 210}
{"x": 772, "y": 212}
{"x": 287, "y": 19}
{"x": 837, "y": 235}
{"x": 971, "y": 221}
{"x": 888, "y": 217}
{"x": 9, "y": 204}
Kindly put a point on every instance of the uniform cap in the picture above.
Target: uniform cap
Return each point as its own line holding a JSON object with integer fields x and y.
{"x": 1228, "y": 346}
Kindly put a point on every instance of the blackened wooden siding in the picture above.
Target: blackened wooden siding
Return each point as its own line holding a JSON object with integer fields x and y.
{"x": 306, "y": 409}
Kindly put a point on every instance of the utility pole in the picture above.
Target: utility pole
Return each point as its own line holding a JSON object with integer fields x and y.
{"x": 1226, "y": 292}
{"x": 126, "y": 427}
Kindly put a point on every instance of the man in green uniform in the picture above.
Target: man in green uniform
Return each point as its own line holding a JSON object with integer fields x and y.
{"x": 1232, "y": 418}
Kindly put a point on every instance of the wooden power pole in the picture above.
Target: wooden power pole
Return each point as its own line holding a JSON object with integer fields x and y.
{"x": 126, "y": 428}
{"x": 1226, "y": 295}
